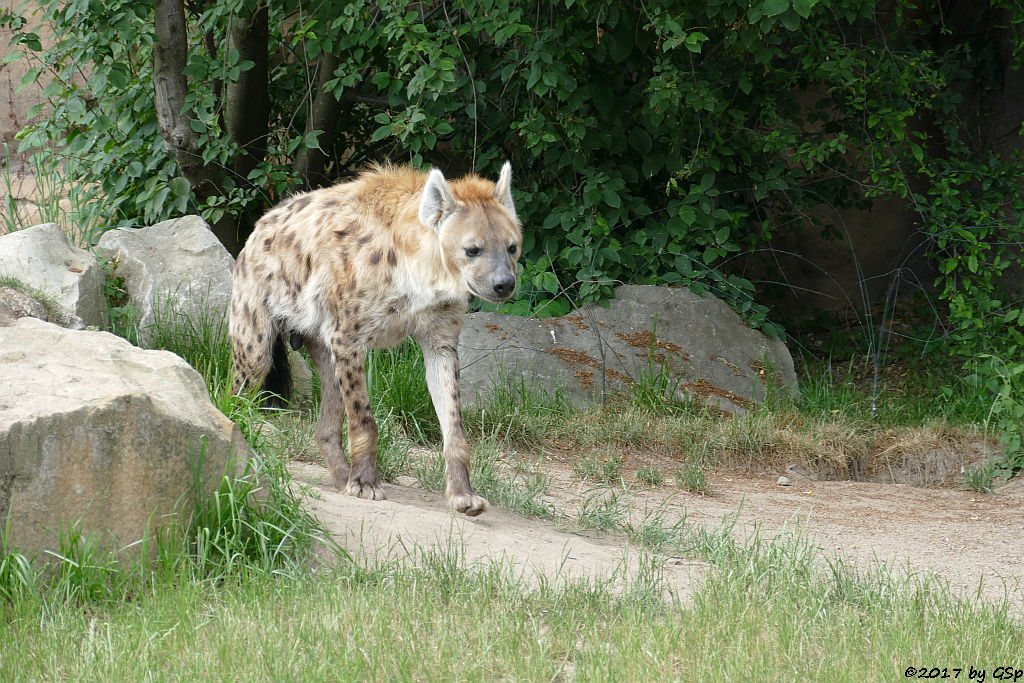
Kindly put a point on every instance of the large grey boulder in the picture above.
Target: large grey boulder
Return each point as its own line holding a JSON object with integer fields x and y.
{"x": 175, "y": 268}
{"x": 43, "y": 258}
{"x": 97, "y": 432}
{"x": 690, "y": 346}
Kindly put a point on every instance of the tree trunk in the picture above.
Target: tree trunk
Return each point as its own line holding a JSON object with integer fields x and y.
{"x": 247, "y": 102}
{"x": 309, "y": 164}
{"x": 170, "y": 55}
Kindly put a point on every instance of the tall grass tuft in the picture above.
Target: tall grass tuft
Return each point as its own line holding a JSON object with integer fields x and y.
{"x": 19, "y": 580}
{"x": 199, "y": 335}
{"x": 602, "y": 466}
{"x": 514, "y": 486}
{"x": 85, "y": 572}
{"x": 398, "y": 387}
{"x": 249, "y": 524}
{"x": 58, "y": 199}
{"x": 518, "y": 412}
{"x": 252, "y": 522}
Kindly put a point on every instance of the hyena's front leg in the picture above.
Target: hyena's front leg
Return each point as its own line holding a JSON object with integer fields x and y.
{"x": 441, "y": 359}
{"x": 350, "y": 369}
{"x": 332, "y": 412}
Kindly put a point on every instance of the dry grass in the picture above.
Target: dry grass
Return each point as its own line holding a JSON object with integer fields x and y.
{"x": 830, "y": 446}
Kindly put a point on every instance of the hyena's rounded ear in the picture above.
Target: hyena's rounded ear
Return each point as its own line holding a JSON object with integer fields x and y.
{"x": 503, "y": 190}
{"x": 437, "y": 200}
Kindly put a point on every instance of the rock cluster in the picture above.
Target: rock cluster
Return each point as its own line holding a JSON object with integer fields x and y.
{"x": 98, "y": 435}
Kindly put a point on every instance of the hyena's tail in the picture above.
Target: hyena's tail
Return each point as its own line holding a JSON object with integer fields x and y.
{"x": 264, "y": 365}
{"x": 278, "y": 382}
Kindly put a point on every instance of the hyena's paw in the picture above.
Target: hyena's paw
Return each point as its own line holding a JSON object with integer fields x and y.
{"x": 370, "y": 490}
{"x": 339, "y": 470}
{"x": 469, "y": 503}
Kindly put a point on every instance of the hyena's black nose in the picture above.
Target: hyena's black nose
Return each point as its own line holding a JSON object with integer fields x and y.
{"x": 504, "y": 285}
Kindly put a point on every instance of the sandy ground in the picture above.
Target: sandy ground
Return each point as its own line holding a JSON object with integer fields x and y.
{"x": 970, "y": 539}
{"x": 413, "y": 521}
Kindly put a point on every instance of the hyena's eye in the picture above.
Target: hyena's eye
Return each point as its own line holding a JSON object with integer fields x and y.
{"x": 472, "y": 251}
{"x": 513, "y": 248}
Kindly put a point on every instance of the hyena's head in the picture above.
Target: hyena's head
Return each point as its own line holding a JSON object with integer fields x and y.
{"x": 478, "y": 231}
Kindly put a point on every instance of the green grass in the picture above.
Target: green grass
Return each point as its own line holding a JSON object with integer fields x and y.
{"x": 518, "y": 486}
{"x": 693, "y": 477}
{"x": 235, "y": 595}
{"x": 398, "y": 388}
{"x": 649, "y": 476}
{"x": 517, "y": 412}
{"x": 765, "y": 611}
{"x": 981, "y": 477}
{"x": 603, "y": 510}
{"x": 604, "y": 467}
{"x": 199, "y": 336}
{"x": 913, "y": 393}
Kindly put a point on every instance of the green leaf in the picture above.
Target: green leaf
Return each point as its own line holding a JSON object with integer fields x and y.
{"x": 118, "y": 78}
{"x": 546, "y": 282}
{"x": 180, "y": 187}
{"x": 312, "y": 140}
{"x": 653, "y": 163}
{"x": 694, "y": 41}
{"x": 790, "y": 20}
{"x": 803, "y": 7}
{"x": 774, "y": 8}
{"x": 611, "y": 198}
{"x": 744, "y": 83}
{"x": 640, "y": 141}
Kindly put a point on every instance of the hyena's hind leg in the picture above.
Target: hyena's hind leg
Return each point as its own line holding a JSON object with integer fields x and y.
{"x": 332, "y": 412}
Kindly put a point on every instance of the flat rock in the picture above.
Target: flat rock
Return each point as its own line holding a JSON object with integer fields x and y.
{"x": 667, "y": 339}
{"x": 43, "y": 258}
{"x": 97, "y": 432}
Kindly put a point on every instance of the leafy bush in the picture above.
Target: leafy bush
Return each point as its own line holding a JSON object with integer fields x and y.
{"x": 652, "y": 143}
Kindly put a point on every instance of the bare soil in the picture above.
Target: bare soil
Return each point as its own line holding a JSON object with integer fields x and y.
{"x": 970, "y": 539}
{"x": 413, "y": 522}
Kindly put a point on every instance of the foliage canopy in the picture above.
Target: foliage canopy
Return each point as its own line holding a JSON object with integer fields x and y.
{"x": 652, "y": 142}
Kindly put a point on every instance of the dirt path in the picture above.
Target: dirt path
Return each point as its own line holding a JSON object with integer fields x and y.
{"x": 964, "y": 536}
{"x": 412, "y": 521}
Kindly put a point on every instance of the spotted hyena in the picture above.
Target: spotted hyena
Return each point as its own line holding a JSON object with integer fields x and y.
{"x": 363, "y": 265}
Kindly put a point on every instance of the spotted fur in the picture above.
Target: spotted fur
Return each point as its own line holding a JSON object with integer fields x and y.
{"x": 362, "y": 265}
